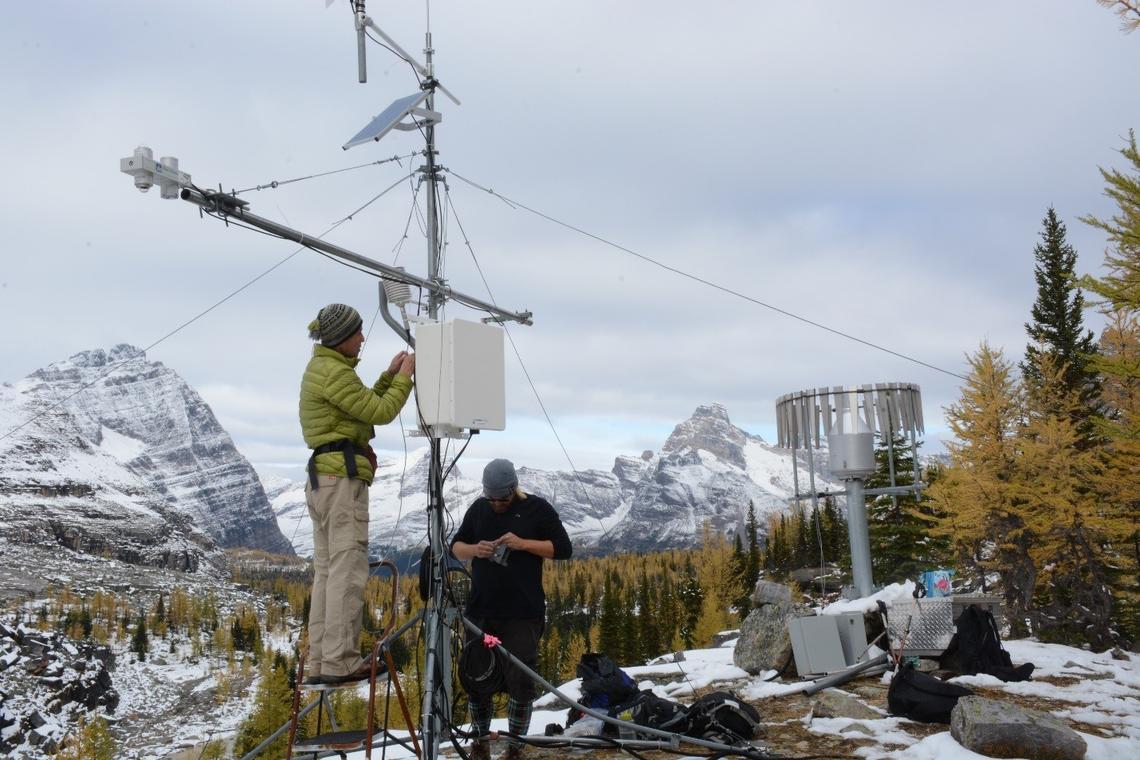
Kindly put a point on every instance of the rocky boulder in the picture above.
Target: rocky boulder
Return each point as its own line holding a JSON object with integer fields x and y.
{"x": 998, "y": 729}
{"x": 834, "y": 703}
{"x": 764, "y": 643}
{"x": 769, "y": 592}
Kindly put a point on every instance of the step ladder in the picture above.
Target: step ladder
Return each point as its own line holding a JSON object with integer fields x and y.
{"x": 383, "y": 671}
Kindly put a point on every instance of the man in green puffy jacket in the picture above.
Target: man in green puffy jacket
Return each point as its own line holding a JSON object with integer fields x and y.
{"x": 337, "y": 415}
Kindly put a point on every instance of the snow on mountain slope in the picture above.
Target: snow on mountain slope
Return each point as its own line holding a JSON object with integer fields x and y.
{"x": 147, "y": 418}
{"x": 397, "y": 514}
{"x": 61, "y": 492}
{"x": 707, "y": 471}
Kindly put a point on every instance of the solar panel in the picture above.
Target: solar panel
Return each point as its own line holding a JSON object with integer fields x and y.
{"x": 386, "y": 120}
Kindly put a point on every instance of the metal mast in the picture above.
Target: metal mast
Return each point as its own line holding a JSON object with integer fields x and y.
{"x": 437, "y": 666}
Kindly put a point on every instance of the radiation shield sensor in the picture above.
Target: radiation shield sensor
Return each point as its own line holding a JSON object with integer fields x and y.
{"x": 393, "y": 117}
{"x": 147, "y": 172}
{"x": 460, "y": 375}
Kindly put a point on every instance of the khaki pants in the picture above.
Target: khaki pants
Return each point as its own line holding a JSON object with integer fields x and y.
{"x": 339, "y": 510}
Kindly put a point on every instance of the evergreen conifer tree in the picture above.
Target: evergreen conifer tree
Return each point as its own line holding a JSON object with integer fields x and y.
{"x": 835, "y": 542}
{"x": 777, "y": 558}
{"x": 807, "y": 551}
{"x": 85, "y": 622}
{"x": 743, "y": 601}
{"x": 140, "y": 642}
{"x": 691, "y": 598}
{"x": 668, "y": 615}
{"x": 1057, "y": 330}
{"x": 649, "y": 632}
{"x": 899, "y": 526}
{"x": 609, "y": 622}
{"x": 752, "y": 533}
{"x": 630, "y": 635}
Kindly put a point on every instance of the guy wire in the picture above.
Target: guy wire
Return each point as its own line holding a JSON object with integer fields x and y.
{"x": 274, "y": 184}
{"x": 534, "y": 389}
{"x": 703, "y": 281}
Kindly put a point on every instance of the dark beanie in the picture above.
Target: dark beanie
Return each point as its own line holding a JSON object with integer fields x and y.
{"x": 335, "y": 324}
{"x": 499, "y": 479}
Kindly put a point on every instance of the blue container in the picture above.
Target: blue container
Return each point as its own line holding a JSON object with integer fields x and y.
{"x": 937, "y": 582}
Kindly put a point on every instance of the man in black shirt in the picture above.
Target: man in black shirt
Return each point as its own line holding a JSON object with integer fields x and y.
{"x": 507, "y": 534}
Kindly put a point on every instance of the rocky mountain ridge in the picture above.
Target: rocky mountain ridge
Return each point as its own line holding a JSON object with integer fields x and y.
{"x": 63, "y": 495}
{"x": 707, "y": 472}
{"x": 138, "y": 438}
{"x": 136, "y": 466}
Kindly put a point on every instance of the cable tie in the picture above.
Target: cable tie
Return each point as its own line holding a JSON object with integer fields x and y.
{"x": 490, "y": 640}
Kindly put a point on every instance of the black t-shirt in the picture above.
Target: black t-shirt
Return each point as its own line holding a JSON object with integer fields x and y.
{"x": 514, "y": 590}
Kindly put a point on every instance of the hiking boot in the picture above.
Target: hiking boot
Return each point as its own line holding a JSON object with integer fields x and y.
{"x": 480, "y": 750}
{"x": 514, "y": 752}
{"x": 363, "y": 673}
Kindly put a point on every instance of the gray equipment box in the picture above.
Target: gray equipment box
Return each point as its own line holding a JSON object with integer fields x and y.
{"x": 826, "y": 643}
{"x": 460, "y": 370}
{"x": 852, "y": 635}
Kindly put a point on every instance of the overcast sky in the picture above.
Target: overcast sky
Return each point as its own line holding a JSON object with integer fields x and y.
{"x": 882, "y": 168}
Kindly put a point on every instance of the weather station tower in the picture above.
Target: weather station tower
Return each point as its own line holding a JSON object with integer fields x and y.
{"x": 847, "y": 418}
{"x": 460, "y": 388}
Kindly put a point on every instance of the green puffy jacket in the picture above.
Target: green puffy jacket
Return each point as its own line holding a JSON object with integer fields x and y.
{"x": 335, "y": 404}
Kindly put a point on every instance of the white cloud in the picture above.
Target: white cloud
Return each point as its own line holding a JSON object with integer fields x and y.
{"x": 881, "y": 169}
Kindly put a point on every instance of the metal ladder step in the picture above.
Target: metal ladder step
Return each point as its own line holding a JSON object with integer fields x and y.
{"x": 332, "y": 741}
{"x": 381, "y": 678}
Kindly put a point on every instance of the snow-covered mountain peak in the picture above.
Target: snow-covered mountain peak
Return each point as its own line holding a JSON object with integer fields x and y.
{"x": 708, "y": 472}
{"x": 147, "y": 418}
{"x": 710, "y": 429}
{"x": 714, "y": 410}
{"x": 98, "y": 357}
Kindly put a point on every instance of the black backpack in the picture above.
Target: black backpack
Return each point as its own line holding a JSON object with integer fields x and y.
{"x": 722, "y": 717}
{"x": 923, "y": 697}
{"x": 656, "y": 712}
{"x": 976, "y": 648}
{"x": 605, "y": 686}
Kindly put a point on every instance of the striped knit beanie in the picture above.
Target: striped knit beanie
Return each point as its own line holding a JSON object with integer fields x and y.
{"x": 335, "y": 324}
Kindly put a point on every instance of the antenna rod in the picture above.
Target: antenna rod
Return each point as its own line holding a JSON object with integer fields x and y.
{"x": 361, "y": 63}
{"x": 425, "y": 71}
